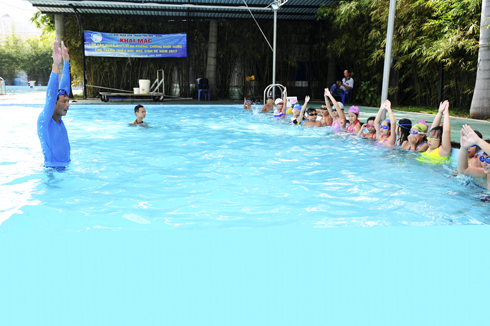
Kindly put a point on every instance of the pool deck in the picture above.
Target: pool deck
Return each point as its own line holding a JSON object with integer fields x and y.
{"x": 39, "y": 98}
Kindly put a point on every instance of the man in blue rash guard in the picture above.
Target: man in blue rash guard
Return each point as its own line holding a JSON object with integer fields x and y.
{"x": 50, "y": 127}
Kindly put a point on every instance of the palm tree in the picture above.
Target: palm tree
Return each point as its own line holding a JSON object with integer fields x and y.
{"x": 480, "y": 104}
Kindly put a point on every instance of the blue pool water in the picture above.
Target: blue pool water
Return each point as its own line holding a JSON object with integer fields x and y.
{"x": 201, "y": 167}
{"x": 215, "y": 216}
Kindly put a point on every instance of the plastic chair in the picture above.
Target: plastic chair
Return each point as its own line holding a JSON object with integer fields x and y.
{"x": 206, "y": 94}
{"x": 342, "y": 96}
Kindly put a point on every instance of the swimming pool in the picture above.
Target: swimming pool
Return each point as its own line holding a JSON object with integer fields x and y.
{"x": 212, "y": 167}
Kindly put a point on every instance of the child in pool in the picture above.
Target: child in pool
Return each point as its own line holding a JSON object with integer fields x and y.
{"x": 337, "y": 113}
{"x": 385, "y": 131}
{"x": 280, "y": 111}
{"x": 312, "y": 119}
{"x": 326, "y": 118}
{"x": 298, "y": 112}
{"x": 417, "y": 140}
{"x": 354, "y": 123}
{"x": 469, "y": 138}
{"x": 402, "y": 131}
{"x": 439, "y": 139}
{"x": 369, "y": 125}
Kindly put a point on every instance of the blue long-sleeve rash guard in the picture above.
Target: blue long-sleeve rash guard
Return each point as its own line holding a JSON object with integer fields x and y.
{"x": 53, "y": 135}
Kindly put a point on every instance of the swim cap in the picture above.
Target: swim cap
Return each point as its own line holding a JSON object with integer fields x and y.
{"x": 341, "y": 105}
{"x": 279, "y": 100}
{"x": 421, "y": 126}
{"x": 354, "y": 109}
{"x": 297, "y": 106}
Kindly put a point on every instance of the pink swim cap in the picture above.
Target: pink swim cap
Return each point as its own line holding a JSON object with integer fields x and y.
{"x": 354, "y": 109}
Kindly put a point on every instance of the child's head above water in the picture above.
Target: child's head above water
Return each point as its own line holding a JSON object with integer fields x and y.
{"x": 435, "y": 137}
{"x": 353, "y": 114}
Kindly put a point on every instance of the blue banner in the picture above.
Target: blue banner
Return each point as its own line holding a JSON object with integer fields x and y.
{"x": 99, "y": 44}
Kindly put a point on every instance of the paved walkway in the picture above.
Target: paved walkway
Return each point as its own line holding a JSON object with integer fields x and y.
{"x": 456, "y": 123}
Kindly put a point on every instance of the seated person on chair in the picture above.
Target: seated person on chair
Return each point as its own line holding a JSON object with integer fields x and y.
{"x": 140, "y": 112}
{"x": 340, "y": 87}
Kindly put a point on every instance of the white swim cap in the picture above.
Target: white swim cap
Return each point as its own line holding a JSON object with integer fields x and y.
{"x": 279, "y": 100}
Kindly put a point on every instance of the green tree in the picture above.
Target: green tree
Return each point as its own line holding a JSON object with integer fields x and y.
{"x": 480, "y": 105}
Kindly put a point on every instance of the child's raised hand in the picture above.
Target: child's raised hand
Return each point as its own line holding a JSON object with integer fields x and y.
{"x": 327, "y": 92}
{"x": 442, "y": 106}
{"x": 446, "y": 107}
{"x": 307, "y": 99}
{"x": 468, "y": 136}
{"x": 387, "y": 104}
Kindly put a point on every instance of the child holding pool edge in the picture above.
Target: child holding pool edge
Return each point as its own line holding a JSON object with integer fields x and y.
{"x": 337, "y": 114}
{"x": 469, "y": 138}
{"x": 439, "y": 139}
{"x": 386, "y": 130}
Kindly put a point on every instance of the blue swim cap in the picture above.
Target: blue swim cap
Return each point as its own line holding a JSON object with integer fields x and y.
{"x": 297, "y": 106}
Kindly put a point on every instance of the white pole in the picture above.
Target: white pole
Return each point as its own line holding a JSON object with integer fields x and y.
{"x": 274, "y": 57}
{"x": 389, "y": 39}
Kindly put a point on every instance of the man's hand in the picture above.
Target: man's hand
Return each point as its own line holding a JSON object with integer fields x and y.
{"x": 56, "y": 53}
{"x": 64, "y": 51}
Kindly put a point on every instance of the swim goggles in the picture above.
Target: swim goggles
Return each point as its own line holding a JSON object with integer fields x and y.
{"x": 369, "y": 126}
{"x": 313, "y": 114}
{"x": 384, "y": 127}
{"x": 416, "y": 132}
{"x": 334, "y": 110}
{"x": 62, "y": 92}
{"x": 473, "y": 145}
{"x": 432, "y": 139}
{"x": 485, "y": 159}
{"x": 405, "y": 126}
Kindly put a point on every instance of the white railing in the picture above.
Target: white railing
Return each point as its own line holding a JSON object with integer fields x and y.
{"x": 269, "y": 91}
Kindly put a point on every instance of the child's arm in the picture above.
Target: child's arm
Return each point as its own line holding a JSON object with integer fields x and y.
{"x": 445, "y": 149}
{"x": 438, "y": 118}
{"x": 468, "y": 138}
{"x": 303, "y": 109}
{"x": 285, "y": 105}
{"x": 327, "y": 102}
{"x": 359, "y": 134}
{"x": 377, "y": 122}
{"x": 392, "y": 138}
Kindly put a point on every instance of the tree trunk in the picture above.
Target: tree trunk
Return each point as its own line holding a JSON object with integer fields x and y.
{"x": 480, "y": 104}
{"x": 211, "y": 64}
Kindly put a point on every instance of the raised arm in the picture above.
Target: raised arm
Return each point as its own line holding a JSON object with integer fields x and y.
{"x": 392, "y": 138}
{"x": 446, "y": 132}
{"x": 327, "y": 102}
{"x": 52, "y": 89}
{"x": 65, "y": 77}
{"x": 438, "y": 118}
{"x": 377, "y": 121}
{"x": 285, "y": 99}
{"x": 469, "y": 138}
{"x": 303, "y": 108}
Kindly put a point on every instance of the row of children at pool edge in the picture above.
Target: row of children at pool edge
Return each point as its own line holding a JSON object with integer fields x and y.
{"x": 433, "y": 143}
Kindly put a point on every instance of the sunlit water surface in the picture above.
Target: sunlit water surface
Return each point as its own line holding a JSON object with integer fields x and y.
{"x": 217, "y": 167}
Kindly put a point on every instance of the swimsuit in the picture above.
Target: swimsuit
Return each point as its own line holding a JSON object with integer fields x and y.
{"x": 53, "y": 135}
{"x": 434, "y": 156}
{"x": 384, "y": 140}
{"x": 352, "y": 125}
{"x": 335, "y": 126}
{"x": 417, "y": 148}
{"x": 294, "y": 121}
{"x": 281, "y": 115}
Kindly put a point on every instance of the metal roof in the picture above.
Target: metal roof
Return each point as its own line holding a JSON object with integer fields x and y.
{"x": 197, "y": 9}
